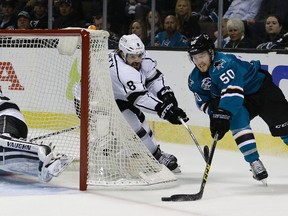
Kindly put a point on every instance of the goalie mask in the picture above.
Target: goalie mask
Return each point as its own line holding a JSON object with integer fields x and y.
{"x": 131, "y": 44}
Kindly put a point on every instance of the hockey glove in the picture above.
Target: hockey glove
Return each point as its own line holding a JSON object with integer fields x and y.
{"x": 213, "y": 105}
{"x": 220, "y": 123}
{"x": 170, "y": 112}
{"x": 166, "y": 94}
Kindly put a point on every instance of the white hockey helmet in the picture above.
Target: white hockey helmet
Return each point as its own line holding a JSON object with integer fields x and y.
{"x": 131, "y": 44}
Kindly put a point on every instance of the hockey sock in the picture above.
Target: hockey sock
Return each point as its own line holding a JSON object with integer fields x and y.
{"x": 285, "y": 139}
{"x": 246, "y": 143}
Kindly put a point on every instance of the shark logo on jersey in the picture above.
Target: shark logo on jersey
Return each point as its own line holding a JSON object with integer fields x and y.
{"x": 219, "y": 64}
{"x": 206, "y": 83}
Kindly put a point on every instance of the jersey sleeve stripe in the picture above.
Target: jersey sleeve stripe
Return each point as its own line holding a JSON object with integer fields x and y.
{"x": 154, "y": 77}
{"x": 135, "y": 95}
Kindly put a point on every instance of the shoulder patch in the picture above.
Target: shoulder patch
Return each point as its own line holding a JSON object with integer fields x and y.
{"x": 219, "y": 64}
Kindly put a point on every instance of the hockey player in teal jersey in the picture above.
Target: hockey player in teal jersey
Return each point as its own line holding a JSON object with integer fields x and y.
{"x": 233, "y": 91}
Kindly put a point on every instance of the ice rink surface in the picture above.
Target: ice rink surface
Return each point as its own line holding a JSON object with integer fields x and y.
{"x": 230, "y": 190}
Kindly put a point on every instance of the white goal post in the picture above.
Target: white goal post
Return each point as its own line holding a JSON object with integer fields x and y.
{"x": 39, "y": 70}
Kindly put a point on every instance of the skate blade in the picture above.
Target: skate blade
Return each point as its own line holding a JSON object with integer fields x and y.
{"x": 176, "y": 170}
{"x": 264, "y": 181}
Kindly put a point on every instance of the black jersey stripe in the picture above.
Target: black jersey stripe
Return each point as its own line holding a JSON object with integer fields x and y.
{"x": 232, "y": 91}
{"x": 135, "y": 95}
{"x": 156, "y": 76}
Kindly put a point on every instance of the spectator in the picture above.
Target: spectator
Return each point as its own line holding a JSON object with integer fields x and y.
{"x": 142, "y": 9}
{"x": 138, "y": 27}
{"x": 208, "y": 16}
{"x": 113, "y": 39}
{"x": 209, "y": 10}
{"x": 277, "y": 7}
{"x": 275, "y": 37}
{"x": 137, "y": 9}
{"x": 158, "y": 27}
{"x": 9, "y": 17}
{"x": 245, "y": 10}
{"x": 188, "y": 24}
{"x": 236, "y": 32}
{"x": 23, "y": 20}
{"x": 67, "y": 17}
{"x": 76, "y": 5}
{"x": 171, "y": 37}
{"x": 39, "y": 18}
{"x": 225, "y": 36}
{"x": 130, "y": 9}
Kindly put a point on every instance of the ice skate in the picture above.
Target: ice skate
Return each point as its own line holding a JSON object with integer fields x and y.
{"x": 170, "y": 161}
{"x": 259, "y": 171}
{"x": 51, "y": 165}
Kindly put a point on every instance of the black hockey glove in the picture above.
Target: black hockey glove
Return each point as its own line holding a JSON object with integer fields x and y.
{"x": 213, "y": 104}
{"x": 220, "y": 123}
{"x": 170, "y": 112}
{"x": 166, "y": 94}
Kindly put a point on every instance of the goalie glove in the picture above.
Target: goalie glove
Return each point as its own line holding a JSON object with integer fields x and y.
{"x": 167, "y": 94}
{"x": 219, "y": 123}
{"x": 170, "y": 112}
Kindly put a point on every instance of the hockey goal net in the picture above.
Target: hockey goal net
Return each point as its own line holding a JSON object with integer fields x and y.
{"x": 39, "y": 70}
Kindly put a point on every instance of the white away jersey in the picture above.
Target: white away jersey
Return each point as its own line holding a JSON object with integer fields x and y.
{"x": 138, "y": 87}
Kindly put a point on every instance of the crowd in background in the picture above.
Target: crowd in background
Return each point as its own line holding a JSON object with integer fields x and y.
{"x": 257, "y": 24}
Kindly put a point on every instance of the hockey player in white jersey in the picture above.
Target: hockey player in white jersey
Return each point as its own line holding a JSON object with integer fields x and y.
{"x": 23, "y": 157}
{"x": 140, "y": 87}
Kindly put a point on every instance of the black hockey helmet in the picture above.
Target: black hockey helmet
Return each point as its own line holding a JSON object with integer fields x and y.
{"x": 201, "y": 43}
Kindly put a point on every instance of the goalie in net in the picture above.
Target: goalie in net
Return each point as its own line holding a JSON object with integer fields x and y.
{"x": 20, "y": 156}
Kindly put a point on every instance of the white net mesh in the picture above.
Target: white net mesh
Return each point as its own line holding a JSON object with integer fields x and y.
{"x": 42, "y": 82}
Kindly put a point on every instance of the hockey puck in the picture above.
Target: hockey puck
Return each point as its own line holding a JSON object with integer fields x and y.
{"x": 166, "y": 199}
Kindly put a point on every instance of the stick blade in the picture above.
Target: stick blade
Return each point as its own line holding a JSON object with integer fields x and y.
{"x": 183, "y": 197}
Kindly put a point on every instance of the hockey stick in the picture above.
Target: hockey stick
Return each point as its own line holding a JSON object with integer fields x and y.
{"x": 197, "y": 196}
{"x": 55, "y": 133}
{"x": 204, "y": 154}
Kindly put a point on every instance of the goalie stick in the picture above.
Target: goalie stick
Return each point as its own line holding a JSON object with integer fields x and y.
{"x": 197, "y": 196}
{"x": 204, "y": 154}
{"x": 54, "y": 133}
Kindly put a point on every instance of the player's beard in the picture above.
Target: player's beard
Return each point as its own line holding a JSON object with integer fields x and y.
{"x": 203, "y": 67}
{"x": 136, "y": 65}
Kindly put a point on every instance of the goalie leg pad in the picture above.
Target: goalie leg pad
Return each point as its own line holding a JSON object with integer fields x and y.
{"x": 19, "y": 156}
